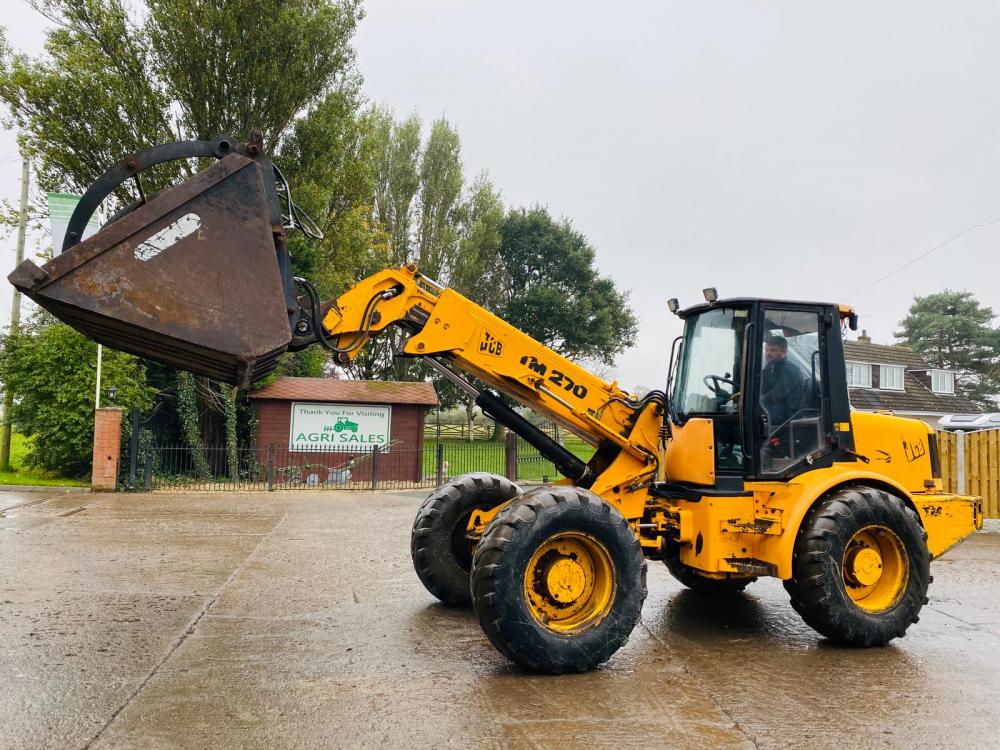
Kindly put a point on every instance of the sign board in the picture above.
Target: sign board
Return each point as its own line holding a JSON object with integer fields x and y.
{"x": 318, "y": 427}
{"x": 61, "y": 207}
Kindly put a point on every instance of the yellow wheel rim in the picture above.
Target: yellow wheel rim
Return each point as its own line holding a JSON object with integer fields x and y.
{"x": 569, "y": 584}
{"x": 876, "y": 568}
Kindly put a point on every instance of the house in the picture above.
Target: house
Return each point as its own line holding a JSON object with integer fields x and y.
{"x": 882, "y": 377}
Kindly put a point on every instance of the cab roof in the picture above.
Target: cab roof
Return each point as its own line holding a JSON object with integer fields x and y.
{"x": 844, "y": 310}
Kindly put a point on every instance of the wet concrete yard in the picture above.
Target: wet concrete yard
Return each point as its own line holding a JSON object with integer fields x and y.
{"x": 294, "y": 620}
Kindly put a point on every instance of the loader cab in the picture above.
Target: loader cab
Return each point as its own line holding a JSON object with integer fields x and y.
{"x": 769, "y": 375}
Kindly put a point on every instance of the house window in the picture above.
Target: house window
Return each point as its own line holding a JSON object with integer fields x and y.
{"x": 859, "y": 375}
{"x": 890, "y": 378}
{"x": 942, "y": 381}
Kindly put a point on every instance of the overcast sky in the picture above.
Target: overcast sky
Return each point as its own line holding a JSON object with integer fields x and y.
{"x": 788, "y": 149}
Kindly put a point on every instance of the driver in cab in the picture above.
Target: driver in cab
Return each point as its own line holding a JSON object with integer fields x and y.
{"x": 781, "y": 383}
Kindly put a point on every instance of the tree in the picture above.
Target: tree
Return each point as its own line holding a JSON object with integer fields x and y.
{"x": 954, "y": 330}
{"x": 114, "y": 81}
{"x": 478, "y": 271}
{"x": 418, "y": 202}
{"x": 554, "y": 293}
{"x": 440, "y": 208}
{"x": 397, "y": 178}
{"x": 90, "y": 100}
{"x": 51, "y": 369}
{"x": 331, "y": 153}
{"x": 240, "y": 64}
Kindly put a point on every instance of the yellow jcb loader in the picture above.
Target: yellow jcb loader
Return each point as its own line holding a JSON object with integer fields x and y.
{"x": 749, "y": 463}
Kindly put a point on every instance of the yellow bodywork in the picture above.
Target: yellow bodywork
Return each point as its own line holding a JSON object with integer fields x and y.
{"x": 691, "y": 457}
{"x": 749, "y": 534}
{"x": 755, "y": 535}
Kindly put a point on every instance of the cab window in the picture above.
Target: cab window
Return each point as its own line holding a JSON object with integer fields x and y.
{"x": 711, "y": 378}
{"x": 710, "y": 364}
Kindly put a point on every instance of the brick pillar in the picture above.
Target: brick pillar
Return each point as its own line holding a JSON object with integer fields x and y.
{"x": 107, "y": 447}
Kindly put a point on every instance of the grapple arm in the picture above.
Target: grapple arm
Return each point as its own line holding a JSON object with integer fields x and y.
{"x": 198, "y": 276}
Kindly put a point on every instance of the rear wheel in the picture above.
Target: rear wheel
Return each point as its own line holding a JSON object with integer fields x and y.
{"x": 441, "y": 551}
{"x": 861, "y": 568}
{"x": 699, "y": 583}
{"x": 558, "y": 580}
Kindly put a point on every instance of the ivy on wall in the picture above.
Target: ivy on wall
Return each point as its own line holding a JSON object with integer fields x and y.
{"x": 187, "y": 408}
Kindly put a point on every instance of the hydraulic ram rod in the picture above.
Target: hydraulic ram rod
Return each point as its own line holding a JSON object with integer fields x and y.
{"x": 567, "y": 464}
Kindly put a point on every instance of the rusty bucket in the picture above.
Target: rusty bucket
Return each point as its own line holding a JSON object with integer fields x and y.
{"x": 190, "y": 279}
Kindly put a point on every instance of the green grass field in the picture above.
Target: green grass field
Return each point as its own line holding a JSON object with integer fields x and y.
{"x": 464, "y": 457}
{"x": 19, "y": 446}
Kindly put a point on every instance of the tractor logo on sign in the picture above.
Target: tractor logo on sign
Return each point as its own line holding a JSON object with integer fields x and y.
{"x": 345, "y": 424}
{"x": 490, "y": 344}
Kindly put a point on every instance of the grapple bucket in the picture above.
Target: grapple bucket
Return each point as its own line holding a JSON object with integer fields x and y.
{"x": 190, "y": 279}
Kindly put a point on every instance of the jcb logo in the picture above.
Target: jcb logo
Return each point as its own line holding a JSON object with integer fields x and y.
{"x": 489, "y": 344}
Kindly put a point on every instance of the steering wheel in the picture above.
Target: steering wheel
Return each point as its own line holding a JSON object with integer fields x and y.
{"x": 712, "y": 383}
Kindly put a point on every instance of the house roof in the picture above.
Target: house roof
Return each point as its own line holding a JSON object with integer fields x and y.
{"x": 883, "y": 354}
{"x": 916, "y": 397}
{"x": 349, "y": 391}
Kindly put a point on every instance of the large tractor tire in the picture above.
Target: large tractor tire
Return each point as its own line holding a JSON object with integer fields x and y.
{"x": 861, "y": 568}
{"x": 558, "y": 580}
{"x": 442, "y": 555}
{"x": 698, "y": 583}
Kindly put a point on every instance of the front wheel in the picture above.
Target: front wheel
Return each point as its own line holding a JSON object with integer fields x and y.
{"x": 861, "y": 568}
{"x": 558, "y": 580}
{"x": 441, "y": 551}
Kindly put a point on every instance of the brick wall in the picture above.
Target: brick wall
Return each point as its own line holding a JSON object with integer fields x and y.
{"x": 107, "y": 446}
{"x": 404, "y": 460}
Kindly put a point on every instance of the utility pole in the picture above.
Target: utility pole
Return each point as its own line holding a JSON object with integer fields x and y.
{"x": 15, "y": 313}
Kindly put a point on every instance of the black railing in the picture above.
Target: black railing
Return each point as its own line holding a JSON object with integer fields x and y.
{"x": 276, "y": 467}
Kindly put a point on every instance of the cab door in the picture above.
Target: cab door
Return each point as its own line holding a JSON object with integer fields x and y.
{"x": 711, "y": 384}
{"x": 789, "y": 422}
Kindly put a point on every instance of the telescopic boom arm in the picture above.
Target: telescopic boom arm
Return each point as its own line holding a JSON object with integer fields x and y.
{"x": 450, "y": 330}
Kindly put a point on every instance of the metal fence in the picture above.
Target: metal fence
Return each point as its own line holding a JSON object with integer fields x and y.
{"x": 970, "y": 464}
{"x": 273, "y": 467}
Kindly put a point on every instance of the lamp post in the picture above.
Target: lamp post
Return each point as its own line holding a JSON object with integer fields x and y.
{"x": 15, "y": 313}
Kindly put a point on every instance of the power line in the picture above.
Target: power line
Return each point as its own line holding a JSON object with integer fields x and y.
{"x": 924, "y": 255}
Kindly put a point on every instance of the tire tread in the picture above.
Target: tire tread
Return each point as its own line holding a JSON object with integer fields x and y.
{"x": 817, "y": 582}
{"x": 489, "y": 563}
{"x": 436, "y": 567}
